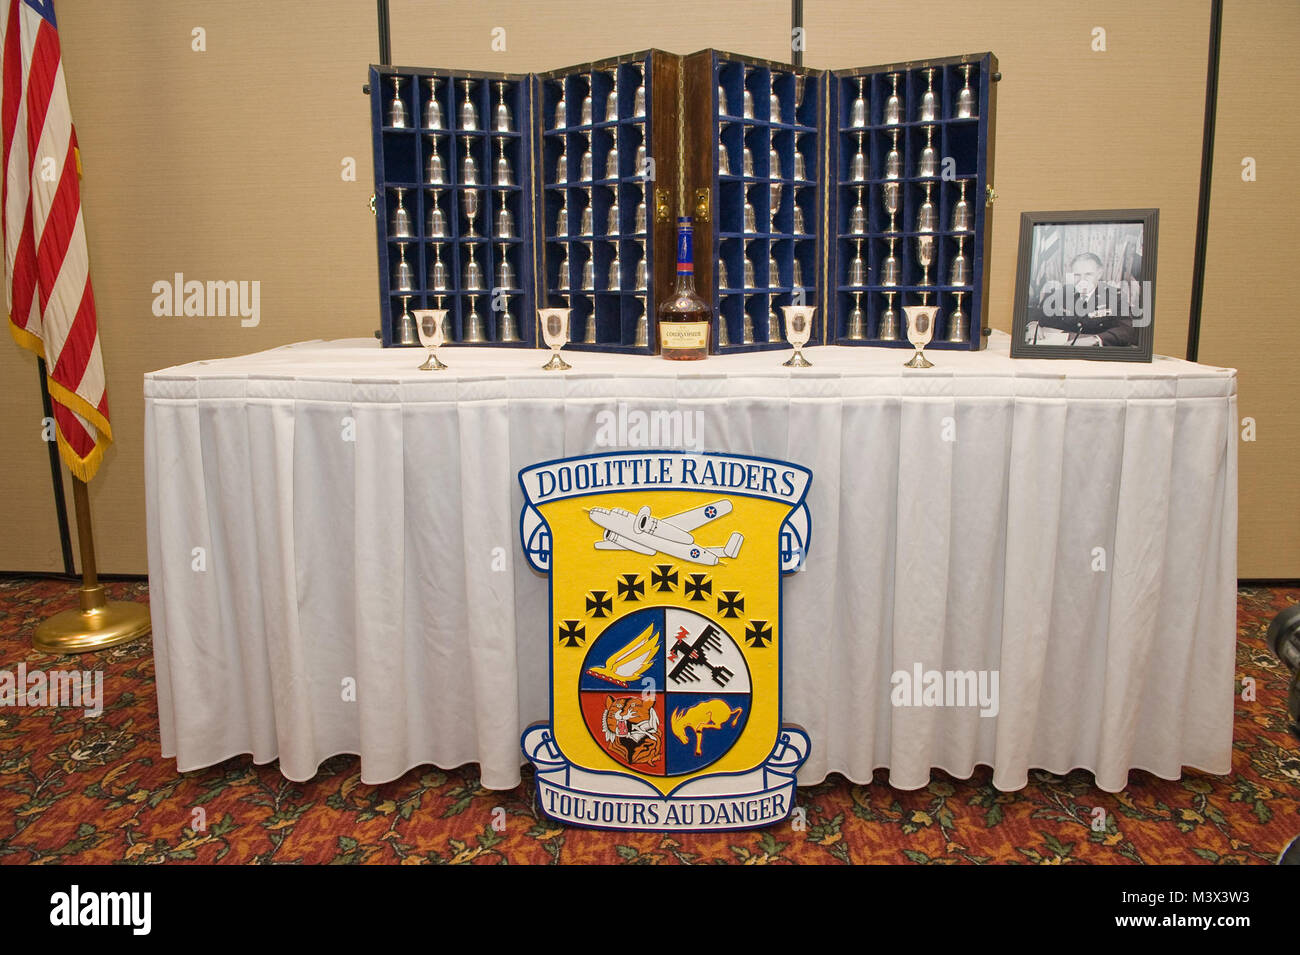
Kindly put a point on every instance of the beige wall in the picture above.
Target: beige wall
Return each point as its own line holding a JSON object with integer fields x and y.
{"x": 225, "y": 164}
{"x": 1249, "y": 318}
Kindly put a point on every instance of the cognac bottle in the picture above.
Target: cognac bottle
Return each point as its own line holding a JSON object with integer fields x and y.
{"x": 684, "y": 319}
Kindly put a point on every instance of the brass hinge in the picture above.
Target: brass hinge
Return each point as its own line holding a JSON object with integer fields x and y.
{"x": 992, "y": 194}
{"x": 663, "y": 207}
{"x": 702, "y": 204}
{"x": 373, "y": 211}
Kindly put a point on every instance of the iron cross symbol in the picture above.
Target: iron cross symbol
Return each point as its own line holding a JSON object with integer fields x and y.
{"x": 697, "y": 585}
{"x": 663, "y": 578}
{"x": 730, "y": 603}
{"x": 572, "y": 634}
{"x": 693, "y": 655}
{"x": 631, "y": 587}
{"x": 599, "y": 604}
{"x": 758, "y": 633}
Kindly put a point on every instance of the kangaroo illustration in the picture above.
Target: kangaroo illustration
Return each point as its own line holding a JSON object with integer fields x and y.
{"x": 705, "y": 715}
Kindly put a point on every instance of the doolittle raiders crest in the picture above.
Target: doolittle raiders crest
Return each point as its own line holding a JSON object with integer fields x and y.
{"x": 665, "y": 637}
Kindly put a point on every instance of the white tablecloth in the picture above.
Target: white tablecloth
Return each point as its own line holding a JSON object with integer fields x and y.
{"x": 334, "y": 561}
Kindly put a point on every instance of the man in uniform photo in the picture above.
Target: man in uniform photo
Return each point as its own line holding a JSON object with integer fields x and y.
{"x": 1085, "y": 311}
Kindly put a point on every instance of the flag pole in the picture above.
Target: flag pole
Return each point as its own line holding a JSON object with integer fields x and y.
{"x": 100, "y": 623}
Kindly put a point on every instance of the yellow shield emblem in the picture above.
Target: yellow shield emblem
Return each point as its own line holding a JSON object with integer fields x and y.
{"x": 665, "y": 637}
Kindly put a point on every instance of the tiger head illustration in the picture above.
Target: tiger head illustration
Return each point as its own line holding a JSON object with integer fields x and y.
{"x": 632, "y": 724}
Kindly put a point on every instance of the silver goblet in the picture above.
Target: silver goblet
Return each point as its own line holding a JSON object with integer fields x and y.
{"x": 894, "y": 160}
{"x": 468, "y": 111}
{"x": 798, "y": 329}
{"x": 920, "y": 329}
{"x": 642, "y": 272}
{"x": 929, "y": 103}
{"x": 503, "y": 111}
{"x": 398, "y": 118}
{"x": 893, "y": 105}
{"x": 561, "y": 117}
{"x": 473, "y": 271}
{"x": 404, "y": 280}
{"x": 469, "y": 202}
{"x": 504, "y": 176}
{"x": 858, "y": 217}
{"x": 437, "y": 218}
{"x": 957, "y": 324}
{"x": 965, "y": 96}
{"x": 429, "y": 325}
{"x": 509, "y": 325}
{"x": 890, "y": 268}
{"x": 474, "y": 329}
{"x": 638, "y": 98}
{"x": 505, "y": 271}
{"x": 888, "y": 331}
{"x": 857, "y": 329}
{"x": 406, "y": 333}
{"x": 929, "y": 163}
{"x": 562, "y": 216}
{"x": 858, "y": 267}
{"x": 858, "y": 170}
{"x": 961, "y": 212}
{"x": 401, "y": 224}
{"x": 437, "y": 271}
{"x": 562, "y": 273}
{"x": 555, "y": 333}
{"x": 433, "y": 109}
{"x": 641, "y": 337}
{"x": 960, "y": 271}
{"x": 585, "y": 116}
{"x": 858, "y": 114}
{"x": 616, "y": 272}
{"x": 562, "y": 163}
{"x": 505, "y": 224}
{"x": 435, "y": 173}
{"x": 891, "y": 197}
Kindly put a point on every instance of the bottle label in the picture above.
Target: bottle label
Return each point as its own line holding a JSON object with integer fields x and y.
{"x": 684, "y": 335}
{"x": 685, "y": 250}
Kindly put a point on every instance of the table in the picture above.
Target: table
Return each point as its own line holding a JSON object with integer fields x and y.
{"x": 334, "y": 561}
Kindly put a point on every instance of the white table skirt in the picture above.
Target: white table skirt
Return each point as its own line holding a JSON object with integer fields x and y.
{"x": 956, "y": 516}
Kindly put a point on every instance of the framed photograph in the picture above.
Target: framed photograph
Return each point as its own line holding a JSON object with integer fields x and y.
{"x": 1086, "y": 285}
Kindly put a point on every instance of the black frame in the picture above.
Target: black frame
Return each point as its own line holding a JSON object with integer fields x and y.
{"x": 1149, "y": 219}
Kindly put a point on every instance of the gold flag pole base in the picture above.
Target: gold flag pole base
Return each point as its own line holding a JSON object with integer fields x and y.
{"x": 100, "y": 623}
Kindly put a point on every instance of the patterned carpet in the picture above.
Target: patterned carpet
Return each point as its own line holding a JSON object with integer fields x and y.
{"x": 99, "y": 791}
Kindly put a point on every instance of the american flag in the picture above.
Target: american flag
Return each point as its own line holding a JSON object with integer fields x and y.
{"x": 47, "y": 274}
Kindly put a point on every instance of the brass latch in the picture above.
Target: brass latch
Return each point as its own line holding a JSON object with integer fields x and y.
{"x": 702, "y": 204}
{"x": 663, "y": 208}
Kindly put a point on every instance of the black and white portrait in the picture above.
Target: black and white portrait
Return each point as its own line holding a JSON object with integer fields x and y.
{"x": 1084, "y": 286}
